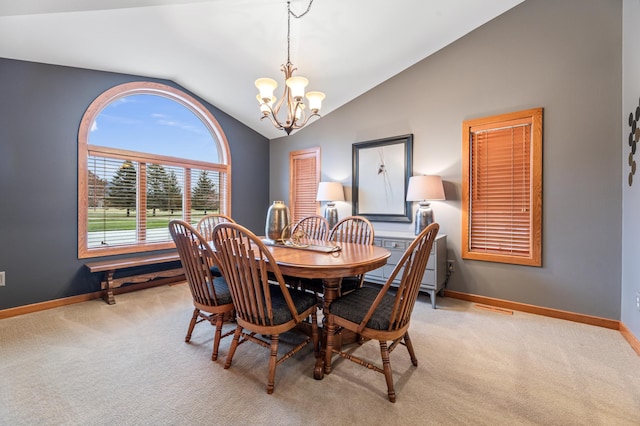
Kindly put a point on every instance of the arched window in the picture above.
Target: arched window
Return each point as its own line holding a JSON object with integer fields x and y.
{"x": 147, "y": 153}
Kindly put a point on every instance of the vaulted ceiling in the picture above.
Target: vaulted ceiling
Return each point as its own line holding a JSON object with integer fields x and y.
{"x": 217, "y": 48}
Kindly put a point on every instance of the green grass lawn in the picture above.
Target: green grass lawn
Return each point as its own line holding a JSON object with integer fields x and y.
{"x": 117, "y": 219}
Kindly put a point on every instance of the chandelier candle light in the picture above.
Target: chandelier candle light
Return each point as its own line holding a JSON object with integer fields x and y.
{"x": 293, "y": 91}
{"x": 424, "y": 189}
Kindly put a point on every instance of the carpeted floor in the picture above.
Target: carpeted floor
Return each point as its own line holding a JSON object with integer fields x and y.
{"x": 128, "y": 364}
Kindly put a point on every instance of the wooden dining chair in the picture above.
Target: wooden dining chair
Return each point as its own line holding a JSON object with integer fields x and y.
{"x": 208, "y": 222}
{"x": 379, "y": 314}
{"x": 205, "y": 228}
{"x": 211, "y": 297}
{"x": 262, "y": 308}
{"x": 313, "y": 227}
{"x": 352, "y": 229}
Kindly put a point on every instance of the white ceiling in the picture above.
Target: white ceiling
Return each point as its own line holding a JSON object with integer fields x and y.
{"x": 217, "y": 48}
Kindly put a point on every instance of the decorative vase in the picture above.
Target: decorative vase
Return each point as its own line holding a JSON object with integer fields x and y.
{"x": 277, "y": 226}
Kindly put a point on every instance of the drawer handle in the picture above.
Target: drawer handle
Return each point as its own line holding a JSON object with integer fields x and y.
{"x": 394, "y": 245}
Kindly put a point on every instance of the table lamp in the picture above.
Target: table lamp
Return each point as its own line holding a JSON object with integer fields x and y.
{"x": 330, "y": 192}
{"x": 424, "y": 189}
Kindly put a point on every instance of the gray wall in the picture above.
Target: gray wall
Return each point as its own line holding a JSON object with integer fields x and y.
{"x": 564, "y": 56}
{"x": 40, "y": 111}
{"x": 630, "y": 314}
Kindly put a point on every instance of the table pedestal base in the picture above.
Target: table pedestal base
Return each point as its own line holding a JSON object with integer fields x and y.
{"x": 331, "y": 287}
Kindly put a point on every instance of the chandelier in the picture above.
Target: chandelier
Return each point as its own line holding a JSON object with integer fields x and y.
{"x": 292, "y": 97}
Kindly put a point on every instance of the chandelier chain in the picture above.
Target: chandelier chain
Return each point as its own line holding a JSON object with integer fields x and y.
{"x": 289, "y": 15}
{"x": 303, "y": 13}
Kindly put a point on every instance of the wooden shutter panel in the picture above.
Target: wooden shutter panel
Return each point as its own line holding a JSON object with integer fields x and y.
{"x": 501, "y": 209}
{"x": 502, "y": 190}
{"x": 304, "y": 176}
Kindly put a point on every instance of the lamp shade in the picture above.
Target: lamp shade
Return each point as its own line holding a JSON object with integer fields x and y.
{"x": 330, "y": 191}
{"x": 423, "y": 188}
{"x": 266, "y": 86}
{"x": 315, "y": 100}
{"x": 297, "y": 85}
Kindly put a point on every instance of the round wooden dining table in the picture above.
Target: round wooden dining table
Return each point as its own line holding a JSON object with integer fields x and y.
{"x": 305, "y": 262}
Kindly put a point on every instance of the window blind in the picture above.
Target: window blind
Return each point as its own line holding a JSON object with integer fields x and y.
{"x": 117, "y": 187}
{"x": 502, "y": 188}
{"x": 500, "y": 220}
{"x": 304, "y": 179}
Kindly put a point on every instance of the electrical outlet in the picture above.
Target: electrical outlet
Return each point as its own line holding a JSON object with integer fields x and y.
{"x": 638, "y": 300}
{"x": 2, "y": 278}
{"x": 450, "y": 266}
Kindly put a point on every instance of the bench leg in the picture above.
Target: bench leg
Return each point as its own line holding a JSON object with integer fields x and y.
{"x": 107, "y": 286}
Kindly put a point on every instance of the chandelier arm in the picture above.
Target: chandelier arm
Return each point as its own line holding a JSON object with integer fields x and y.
{"x": 276, "y": 109}
{"x": 304, "y": 123}
{"x": 273, "y": 118}
{"x": 294, "y": 118}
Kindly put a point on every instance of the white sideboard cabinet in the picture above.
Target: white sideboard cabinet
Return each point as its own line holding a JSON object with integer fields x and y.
{"x": 435, "y": 275}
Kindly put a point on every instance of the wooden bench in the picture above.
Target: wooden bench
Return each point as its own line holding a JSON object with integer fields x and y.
{"x": 110, "y": 267}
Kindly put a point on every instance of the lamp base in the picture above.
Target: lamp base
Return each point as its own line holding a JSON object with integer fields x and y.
{"x": 331, "y": 214}
{"x": 424, "y": 217}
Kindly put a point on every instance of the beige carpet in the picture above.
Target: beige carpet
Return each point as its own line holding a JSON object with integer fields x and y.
{"x": 127, "y": 364}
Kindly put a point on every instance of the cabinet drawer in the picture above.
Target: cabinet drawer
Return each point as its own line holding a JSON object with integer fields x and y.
{"x": 431, "y": 263}
{"x": 392, "y": 245}
{"x": 377, "y": 273}
{"x": 397, "y": 255}
{"x": 395, "y": 244}
{"x": 394, "y": 257}
{"x": 429, "y": 278}
{"x": 387, "y": 270}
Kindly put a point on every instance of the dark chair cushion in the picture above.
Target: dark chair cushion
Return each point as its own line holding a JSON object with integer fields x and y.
{"x": 355, "y": 305}
{"x": 301, "y": 300}
{"x": 312, "y": 284}
{"x": 288, "y": 280}
{"x": 349, "y": 284}
{"x": 222, "y": 291}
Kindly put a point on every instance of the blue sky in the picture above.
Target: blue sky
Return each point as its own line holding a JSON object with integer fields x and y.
{"x": 153, "y": 124}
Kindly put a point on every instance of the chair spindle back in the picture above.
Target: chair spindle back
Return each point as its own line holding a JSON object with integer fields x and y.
{"x": 352, "y": 229}
{"x": 197, "y": 258}
{"x": 314, "y": 227}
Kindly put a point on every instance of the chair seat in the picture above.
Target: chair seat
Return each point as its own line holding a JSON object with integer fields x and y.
{"x": 301, "y": 300}
{"x": 312, "y": 284}
{"x": 349, "y": 284}
{"x": 222, "y": 291}
{"x": 355, "y": 305}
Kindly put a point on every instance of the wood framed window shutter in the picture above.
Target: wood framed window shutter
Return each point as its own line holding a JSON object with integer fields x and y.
{"x": 502, "y": 188}
{"x": 304, "y": 176}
